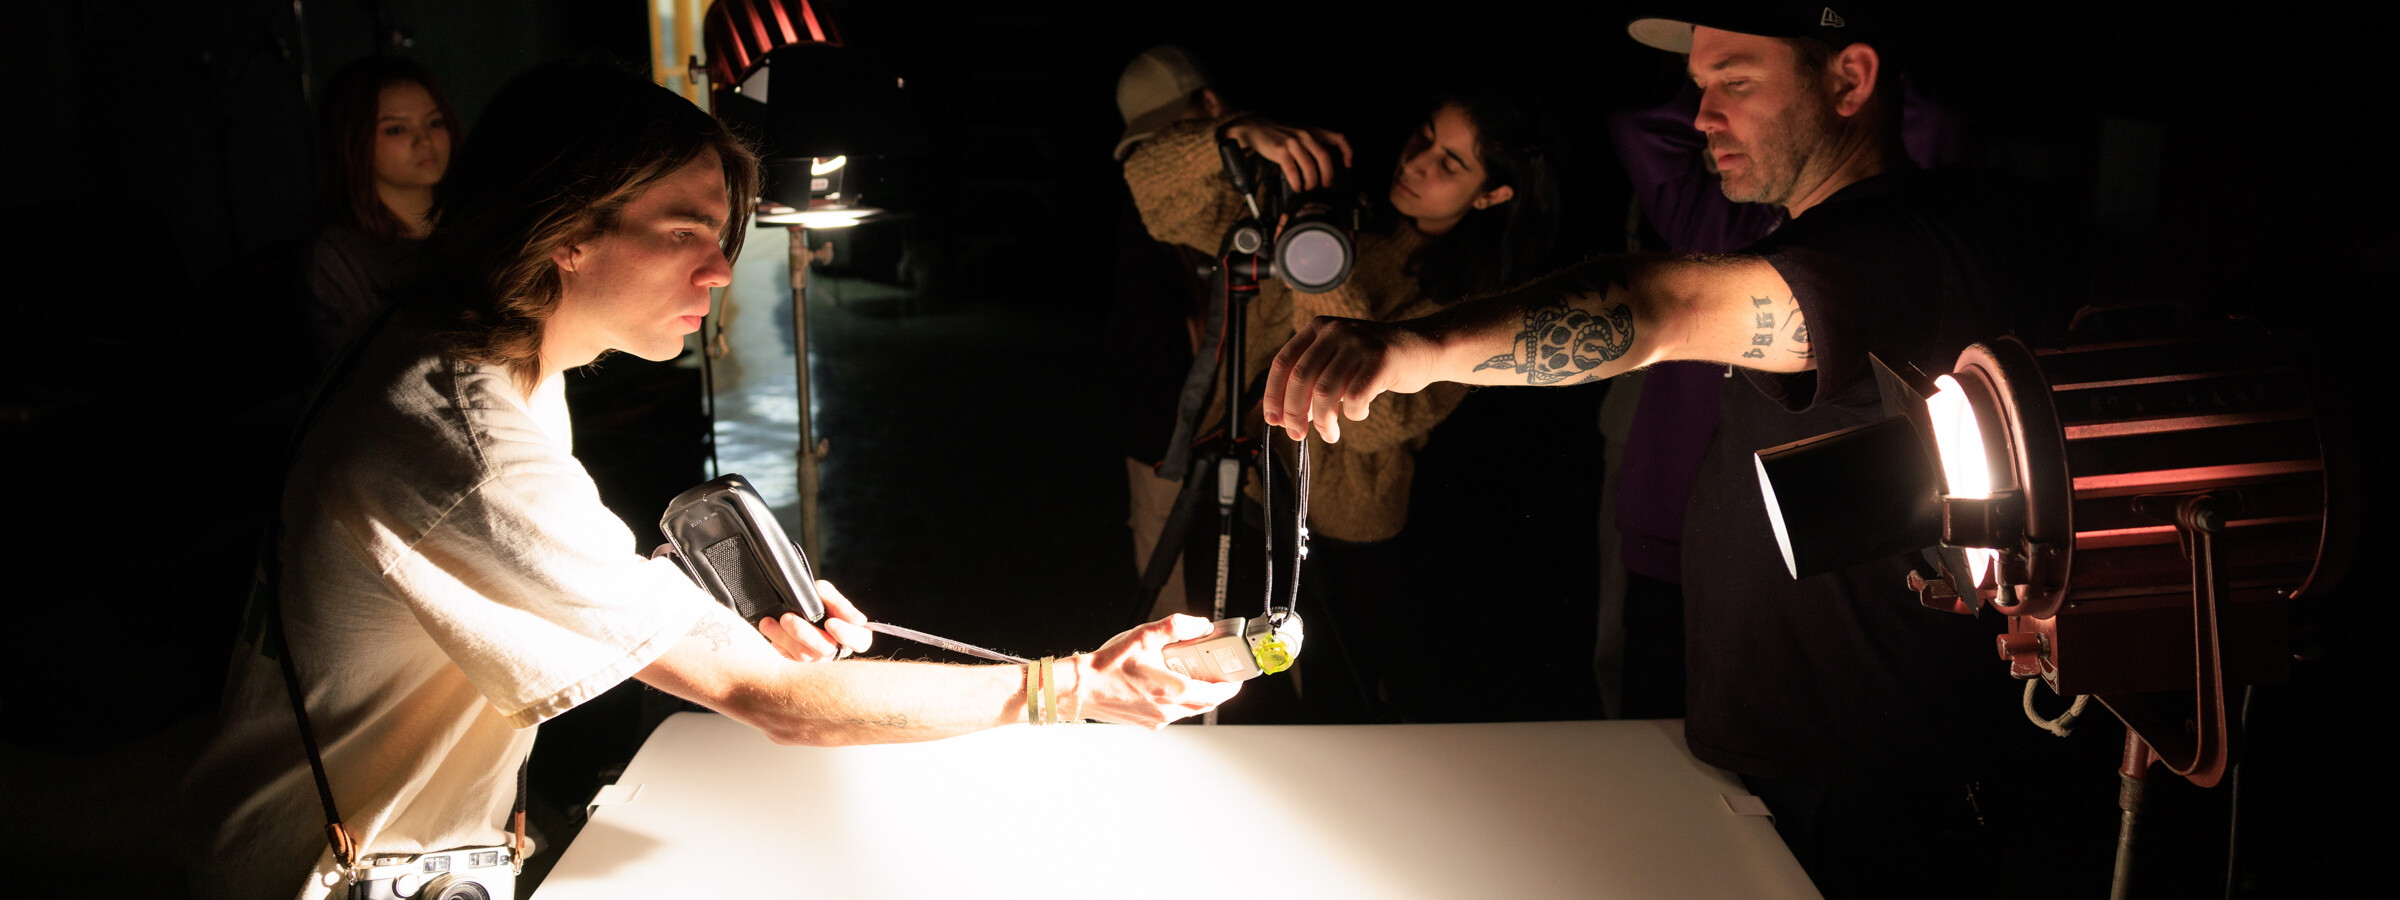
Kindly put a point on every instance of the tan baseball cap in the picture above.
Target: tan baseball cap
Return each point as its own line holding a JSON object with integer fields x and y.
{"x": 1155, "y": 89}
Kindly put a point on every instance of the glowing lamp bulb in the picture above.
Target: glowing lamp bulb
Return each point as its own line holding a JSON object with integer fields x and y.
{"x": 827, "y": 165}
{"x": 830, "y": 218}
{"x": 1960, "y": 440}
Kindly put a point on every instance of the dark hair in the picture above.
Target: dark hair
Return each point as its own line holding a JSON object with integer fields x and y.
{"x": 1517, "y": 141}
{"x": 556, "y": 157}
{"x": 346, "y": 141}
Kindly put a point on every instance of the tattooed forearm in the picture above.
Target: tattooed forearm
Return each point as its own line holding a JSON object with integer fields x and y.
{"x": 712, "y": 631}
{"x": 1561, "y": 342}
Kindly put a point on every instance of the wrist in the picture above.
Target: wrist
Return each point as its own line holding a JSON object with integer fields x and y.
{"x": 1068, "y": 674}
{"x": 1235, "y": 129}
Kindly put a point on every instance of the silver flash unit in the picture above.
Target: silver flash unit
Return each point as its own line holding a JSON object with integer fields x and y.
{"x": 1239, "y": 649}
{"x": 467, "y": 873}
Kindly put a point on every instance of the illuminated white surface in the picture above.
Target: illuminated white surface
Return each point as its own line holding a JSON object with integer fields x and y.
{"x": 1555, "y": 809}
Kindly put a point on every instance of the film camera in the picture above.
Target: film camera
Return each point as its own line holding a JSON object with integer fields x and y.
{"x": 468, "y": 873}
{"x": 1312, "y": 251}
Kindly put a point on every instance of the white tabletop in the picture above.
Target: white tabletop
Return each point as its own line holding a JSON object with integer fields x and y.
{"x": 1545, "y": 809}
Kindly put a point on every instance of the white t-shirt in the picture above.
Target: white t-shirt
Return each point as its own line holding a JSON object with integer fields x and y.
{"x": 450, "y": 580}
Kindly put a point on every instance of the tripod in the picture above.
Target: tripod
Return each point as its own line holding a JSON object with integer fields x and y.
{"x": 1220, "y": 458}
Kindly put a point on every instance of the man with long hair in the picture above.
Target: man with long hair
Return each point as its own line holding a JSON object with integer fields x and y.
{"x": 448, "y": 576}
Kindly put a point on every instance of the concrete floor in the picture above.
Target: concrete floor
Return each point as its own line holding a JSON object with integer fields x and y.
{"x": 968, "y": 489}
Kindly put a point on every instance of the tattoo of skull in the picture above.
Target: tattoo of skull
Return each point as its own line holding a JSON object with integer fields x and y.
{"x": 1560, "y": 342}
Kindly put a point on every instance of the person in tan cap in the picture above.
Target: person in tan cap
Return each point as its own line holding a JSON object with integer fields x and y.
{"x": 1161, "y": 87}
{"x": 1157, "y": 321}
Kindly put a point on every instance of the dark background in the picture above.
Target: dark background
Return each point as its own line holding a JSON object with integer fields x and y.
{"x": 158, "y": 156}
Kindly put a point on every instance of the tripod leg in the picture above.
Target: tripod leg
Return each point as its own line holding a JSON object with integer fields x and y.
{"x": 1171, "y": 539}
{"x": 1229, "y": 486}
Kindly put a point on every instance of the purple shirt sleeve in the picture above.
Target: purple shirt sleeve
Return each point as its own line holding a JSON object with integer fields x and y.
{"x": 1666, "y": 159}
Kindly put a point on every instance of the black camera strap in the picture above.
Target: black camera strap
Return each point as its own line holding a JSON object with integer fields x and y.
{"x": 278, "y": 642}
{"x": 345, "y": 848}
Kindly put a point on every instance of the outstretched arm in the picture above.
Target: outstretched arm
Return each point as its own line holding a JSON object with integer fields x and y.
{"x": 730, "y": 667}
{"x": 1594, "y": 320}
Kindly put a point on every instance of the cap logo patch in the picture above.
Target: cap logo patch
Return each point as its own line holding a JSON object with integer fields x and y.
{"x": 1830, "y": 19}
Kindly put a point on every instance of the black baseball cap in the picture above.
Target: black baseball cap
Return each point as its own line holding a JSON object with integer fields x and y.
{"x": 1839, "y": 23}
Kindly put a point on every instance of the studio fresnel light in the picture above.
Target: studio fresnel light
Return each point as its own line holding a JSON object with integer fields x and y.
{"x": 825, "y": 115}
{"x": 2143, "y": 511}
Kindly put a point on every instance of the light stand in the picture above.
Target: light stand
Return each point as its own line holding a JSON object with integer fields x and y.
{"x": 838, "y": 111}
{"x": 2154, "y": 505}
{"x": 812, "y": 449}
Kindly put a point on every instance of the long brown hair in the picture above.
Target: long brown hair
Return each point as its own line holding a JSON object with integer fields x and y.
{"x": 346, "y": 141}
{"x": 554, "y": 159}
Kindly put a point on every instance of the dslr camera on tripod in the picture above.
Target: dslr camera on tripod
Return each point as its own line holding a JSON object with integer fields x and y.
{"x": 1313, "y": 249}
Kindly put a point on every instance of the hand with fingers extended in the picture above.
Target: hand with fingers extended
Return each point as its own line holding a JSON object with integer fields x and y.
{"x": 845, "y": 630}
{"x": 1127, "y": 679}
{"x": 1341, "y": 365}
{"x": 1306, "y": 155}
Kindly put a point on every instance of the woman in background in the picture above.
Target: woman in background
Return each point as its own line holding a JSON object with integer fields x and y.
{"x": 385, "y": 136}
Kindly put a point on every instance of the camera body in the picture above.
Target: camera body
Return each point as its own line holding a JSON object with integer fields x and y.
{"x": 1312, "y": 232}
{"x": 467, "y": 873}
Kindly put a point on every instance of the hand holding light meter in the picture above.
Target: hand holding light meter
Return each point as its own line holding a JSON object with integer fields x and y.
{"x": 1239, "y": 649}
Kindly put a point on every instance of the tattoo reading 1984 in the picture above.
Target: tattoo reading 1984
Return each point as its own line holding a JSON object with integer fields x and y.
{"x": 1794, "y": 330}
{"x": 1560, "y": 342}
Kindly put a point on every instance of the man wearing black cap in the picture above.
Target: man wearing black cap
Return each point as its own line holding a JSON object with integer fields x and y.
{"x": 1857, "y": 714}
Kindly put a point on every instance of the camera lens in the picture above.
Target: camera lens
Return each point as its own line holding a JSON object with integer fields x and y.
{"x": 452, "y": 887}
{"x": 1313, "y": 257}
